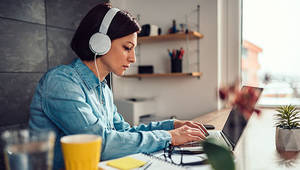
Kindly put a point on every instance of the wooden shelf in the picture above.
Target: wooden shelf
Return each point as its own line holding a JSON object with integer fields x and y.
{"x": 176, "y": 36}
{"x": 192, "y": 74}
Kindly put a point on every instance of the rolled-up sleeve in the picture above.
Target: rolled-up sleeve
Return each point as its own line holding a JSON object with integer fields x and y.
{"x": 66, "y": 106}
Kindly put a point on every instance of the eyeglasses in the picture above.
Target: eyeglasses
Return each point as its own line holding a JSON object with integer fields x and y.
{"x": 169, "y": 150}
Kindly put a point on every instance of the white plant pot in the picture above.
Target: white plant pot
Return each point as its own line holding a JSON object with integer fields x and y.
{"x": 287, "y": 139}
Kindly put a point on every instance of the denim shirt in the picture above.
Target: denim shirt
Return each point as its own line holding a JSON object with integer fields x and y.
{"x": 67, "y": 101}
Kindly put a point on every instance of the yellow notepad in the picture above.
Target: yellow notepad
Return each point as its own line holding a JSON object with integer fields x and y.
{"x": 126, "y": 163}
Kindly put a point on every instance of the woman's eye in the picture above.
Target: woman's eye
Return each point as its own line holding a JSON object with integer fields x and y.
{"x": 127, "y": 48}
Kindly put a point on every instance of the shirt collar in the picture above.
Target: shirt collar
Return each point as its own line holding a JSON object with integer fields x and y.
{"x": 86, "y": 74}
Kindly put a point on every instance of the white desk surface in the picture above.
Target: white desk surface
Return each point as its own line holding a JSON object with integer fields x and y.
{"x": 157, "y": 165}
{"x": 256, "y": 149}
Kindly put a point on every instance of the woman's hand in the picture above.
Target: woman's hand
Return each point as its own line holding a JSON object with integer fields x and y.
{"x": 192, "y": 124}
{"x": 186, "y": 134}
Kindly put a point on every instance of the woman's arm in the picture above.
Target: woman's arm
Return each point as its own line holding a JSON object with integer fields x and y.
{"x": 121, "y": 125}
{"x": 64, "y": 102}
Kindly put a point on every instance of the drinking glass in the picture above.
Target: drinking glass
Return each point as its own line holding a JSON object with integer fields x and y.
{"x": 26, "y": 149}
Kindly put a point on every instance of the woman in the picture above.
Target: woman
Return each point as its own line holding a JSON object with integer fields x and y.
{"x": 75, "y": 98}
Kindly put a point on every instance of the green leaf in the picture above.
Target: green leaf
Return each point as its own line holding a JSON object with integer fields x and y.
{"x": 287, "y": 116}
{"x": 219, "y": 157}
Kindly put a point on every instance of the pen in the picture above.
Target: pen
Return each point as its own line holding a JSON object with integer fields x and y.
{"x": 170, "y": 53}
{"x": 174, "y": 53}
{"x": 181, "y": 53}
{"x": 147, "y": 165}
{"x": 178, "y": 54}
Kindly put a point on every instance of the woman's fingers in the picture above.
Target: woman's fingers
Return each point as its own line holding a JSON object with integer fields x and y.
{"x": 197, "y": 133}
{"x": 204, "y": 129}
{"x": 193, "y": 138}
{"x": 193, "y": 124}
{"x": 201, "y": 126}
{"x": 198, "y": 126}
{"x": 186, "y": 134}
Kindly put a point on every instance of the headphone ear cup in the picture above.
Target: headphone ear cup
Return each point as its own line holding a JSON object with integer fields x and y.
{"x": 100, "y": 43}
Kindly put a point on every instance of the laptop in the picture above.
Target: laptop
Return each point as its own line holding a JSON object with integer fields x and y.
{"x": 232, "y": 130}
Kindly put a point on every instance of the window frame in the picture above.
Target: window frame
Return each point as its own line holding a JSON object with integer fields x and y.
{"x": 229, "y": 42}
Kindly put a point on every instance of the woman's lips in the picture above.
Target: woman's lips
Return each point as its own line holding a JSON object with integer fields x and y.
{"x": 125, "y": 67}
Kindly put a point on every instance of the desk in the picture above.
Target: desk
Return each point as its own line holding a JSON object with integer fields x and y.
{"x": 216, "y": 118}
{"x": 256, "y": 149}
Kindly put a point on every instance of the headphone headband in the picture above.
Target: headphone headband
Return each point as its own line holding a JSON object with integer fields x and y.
{"x": 107, "y": 20}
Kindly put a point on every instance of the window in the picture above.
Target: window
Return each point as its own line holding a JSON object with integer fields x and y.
{"x": 270, "y": 36}
{"x": 244, "y": 52}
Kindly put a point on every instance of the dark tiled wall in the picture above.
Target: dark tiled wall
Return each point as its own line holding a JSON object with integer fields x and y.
{"x": 22, "y": 47}
{"x": 34, "y": 36}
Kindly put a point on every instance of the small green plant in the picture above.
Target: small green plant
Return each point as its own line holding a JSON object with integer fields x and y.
{"x": 287, "y": 117}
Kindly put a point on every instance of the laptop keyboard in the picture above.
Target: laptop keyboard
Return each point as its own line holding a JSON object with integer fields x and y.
{"x": 216, "y": 135}
{"x": 192, "y": 144}
{"x": 212, "y": 134}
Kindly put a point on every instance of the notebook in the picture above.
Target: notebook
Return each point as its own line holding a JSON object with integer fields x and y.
{"x": 126, "y": 163}
{"x": 155, "y": 163}
{"x": 231, "y": 132}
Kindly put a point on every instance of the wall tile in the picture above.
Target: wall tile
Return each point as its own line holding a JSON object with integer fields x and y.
{"x": 59, "y": 50}
{"x": 22, "y": 47}
{"x": 16, "y": 91}
{"x": 68, "y": 13}
{"x": 26, "y": 10}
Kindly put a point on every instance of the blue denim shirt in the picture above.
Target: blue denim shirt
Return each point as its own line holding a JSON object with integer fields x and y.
{"x": 67, "y": 101}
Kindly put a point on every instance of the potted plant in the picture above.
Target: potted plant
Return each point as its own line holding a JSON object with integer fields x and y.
{"x": 287, "y": 128}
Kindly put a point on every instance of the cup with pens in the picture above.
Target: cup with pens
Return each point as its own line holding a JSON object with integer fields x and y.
{"x": 176, "y": 56}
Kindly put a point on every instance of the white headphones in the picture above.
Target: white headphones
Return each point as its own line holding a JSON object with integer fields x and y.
{"x": 100, "y": 43}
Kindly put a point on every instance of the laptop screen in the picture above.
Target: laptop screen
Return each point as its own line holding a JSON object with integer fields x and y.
{"x": 236, "y": 122}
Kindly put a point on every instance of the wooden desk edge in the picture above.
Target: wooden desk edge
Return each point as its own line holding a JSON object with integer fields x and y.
{"x": 216, "y": 118}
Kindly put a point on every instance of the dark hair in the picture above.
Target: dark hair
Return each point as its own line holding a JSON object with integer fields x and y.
{"x": 122, "y": 25}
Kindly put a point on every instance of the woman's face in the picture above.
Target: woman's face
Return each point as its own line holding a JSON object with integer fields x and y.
{"x": 121, "y": 54}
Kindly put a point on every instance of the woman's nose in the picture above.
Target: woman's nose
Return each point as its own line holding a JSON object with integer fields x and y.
{"x": 132, "y": 57}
